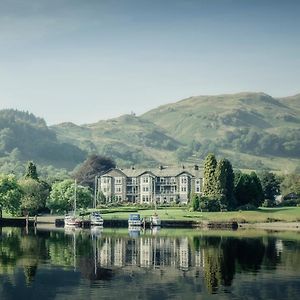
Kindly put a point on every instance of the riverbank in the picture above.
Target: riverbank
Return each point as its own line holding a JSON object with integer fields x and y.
{"x": 285, "y": 218}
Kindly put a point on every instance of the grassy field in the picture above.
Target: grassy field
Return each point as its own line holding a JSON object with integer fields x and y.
{"x": 284, "y": 214}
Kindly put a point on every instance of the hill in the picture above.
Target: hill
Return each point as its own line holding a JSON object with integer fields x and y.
{"x": 254, "y": 130}
{"x": 128, "y": 139}
{"x": 24, "y": 137}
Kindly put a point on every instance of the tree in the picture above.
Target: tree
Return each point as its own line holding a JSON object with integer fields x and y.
{"x": 248, "y": 190}
{"x": 195, "y": 202}
{"x": 290, "y": 184}
{"x": 62, "y": 196}
{"x": 34, "y": 195}
{"x": 209, "y": 185}
{"x": 229, "y": 184}
{"x": 270, "y": 185}
{"x": 10, "y": 194}
{"x": 258, "y": 194}
{"x": 225, "y": 183}
{"x": 95, "y": 165}
{"x": 31, "y": 171}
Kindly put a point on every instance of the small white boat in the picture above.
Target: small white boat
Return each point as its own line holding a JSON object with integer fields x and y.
{"x": 134, "y": 220}
{"x": 71, "y": 220}
{"x": 96, "y": 219}
{"x": 155, "y": 220}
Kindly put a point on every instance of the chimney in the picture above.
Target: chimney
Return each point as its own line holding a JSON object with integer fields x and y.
{"x": 132, "y": 167}
{"x": 196, "y": 167}
{"x": 161, "y": 167}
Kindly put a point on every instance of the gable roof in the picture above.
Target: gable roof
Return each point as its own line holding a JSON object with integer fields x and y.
{"x": 159, "y": 172}
{"x": 114, "y": 173}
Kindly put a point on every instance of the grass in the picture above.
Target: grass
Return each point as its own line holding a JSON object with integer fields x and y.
{"x": 284, "y": 214}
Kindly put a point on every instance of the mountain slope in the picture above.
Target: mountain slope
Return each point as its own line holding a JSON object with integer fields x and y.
{"x": 254, "y": 130}
{"x": 128, "y": 139}
{"x": 26, "y": 137}
{"x": 210, "y": 117}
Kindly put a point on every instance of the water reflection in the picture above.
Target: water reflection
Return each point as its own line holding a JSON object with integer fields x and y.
{"x": 209, "y": 264}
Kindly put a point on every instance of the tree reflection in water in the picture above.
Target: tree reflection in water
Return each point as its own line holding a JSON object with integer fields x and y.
{"x": 100, "y": 256}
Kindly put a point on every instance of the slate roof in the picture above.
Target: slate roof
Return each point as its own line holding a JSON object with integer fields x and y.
{"x": 159, "y": 172}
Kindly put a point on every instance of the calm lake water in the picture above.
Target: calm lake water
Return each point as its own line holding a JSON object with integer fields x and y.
{"x": 165, "y": 264}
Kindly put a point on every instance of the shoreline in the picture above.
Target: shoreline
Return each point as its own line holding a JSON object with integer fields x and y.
{"x": 171, "y": 224}
{"x": 281, "y": 226}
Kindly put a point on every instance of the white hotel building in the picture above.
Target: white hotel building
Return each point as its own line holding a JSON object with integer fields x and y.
{"x": 163, "y": 184}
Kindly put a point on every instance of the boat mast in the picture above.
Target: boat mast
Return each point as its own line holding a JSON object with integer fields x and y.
{"x": 75, "y": 194}
{"x": 95, "y": 192}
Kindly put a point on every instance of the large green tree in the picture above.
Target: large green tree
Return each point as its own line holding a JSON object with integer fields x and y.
{"x": 225, "y": 183}
{"x": 270, "y": 185}
{"x": 290, "y": 184}
{"x": 248, "y": 190}
{"x": 62, "y": 196}
{"x": 209, "y": 185}
{"x": 10, "y": 194}
{"x": 34, "y": 195}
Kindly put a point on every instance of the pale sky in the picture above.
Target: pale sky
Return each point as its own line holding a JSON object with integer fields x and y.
{"x": 87, "y": 60}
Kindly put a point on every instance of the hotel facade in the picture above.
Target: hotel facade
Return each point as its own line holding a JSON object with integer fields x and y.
{"x": 163, "y": 184}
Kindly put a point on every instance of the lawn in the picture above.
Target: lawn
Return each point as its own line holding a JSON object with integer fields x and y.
{"x": 285, "y": 214}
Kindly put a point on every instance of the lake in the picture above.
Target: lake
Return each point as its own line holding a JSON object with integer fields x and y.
{"x": 159, "y": 264}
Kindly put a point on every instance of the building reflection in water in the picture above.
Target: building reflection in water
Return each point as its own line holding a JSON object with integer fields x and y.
{"x": 98, "y": 255}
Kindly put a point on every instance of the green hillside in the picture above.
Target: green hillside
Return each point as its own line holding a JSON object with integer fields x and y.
{"x": 210, "y": 117}
{"x": 128, "y": 139}
{"x": 24, "y": 137}
{"x": 254, "y": 130}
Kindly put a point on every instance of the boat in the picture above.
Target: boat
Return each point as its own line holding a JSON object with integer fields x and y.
{"x": 96, "y": 219}
{"x": 154, "y": 219}
{"x": 134, "y": 220}
{"x": 70, "y": 219}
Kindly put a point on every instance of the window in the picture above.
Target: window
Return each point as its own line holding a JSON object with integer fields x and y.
{"x": 145, "y": 179}
{"x": 118, "y": 189}
{"x": 183, "y": 189}
{"x": 145, "y": 189}
{"x": 183, "y": 180}
{"x": 145, "y": 198}
{"x": 118, "y": 180}
{"x": 197, "y": 189}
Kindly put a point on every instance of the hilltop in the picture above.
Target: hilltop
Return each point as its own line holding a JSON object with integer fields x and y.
{"x": 255, "y": 130}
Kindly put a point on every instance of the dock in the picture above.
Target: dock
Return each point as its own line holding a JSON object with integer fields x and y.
{"x": 232, "y": 225}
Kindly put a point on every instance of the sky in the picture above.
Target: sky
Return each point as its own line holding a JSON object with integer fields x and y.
{"x": 83, "y": 61}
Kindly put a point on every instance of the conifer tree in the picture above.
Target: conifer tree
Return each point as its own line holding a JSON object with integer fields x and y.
{"x": 31, "y": 171}
{"x": 209, "y": 185}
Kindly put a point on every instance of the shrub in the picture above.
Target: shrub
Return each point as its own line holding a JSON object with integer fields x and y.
{"x": 208, "y": 204}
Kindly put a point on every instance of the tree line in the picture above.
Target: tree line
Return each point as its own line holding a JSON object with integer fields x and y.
{"x": 223, "y": 188}
{"x": 226, "y": 189}
{"x": 30, "y": 195}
